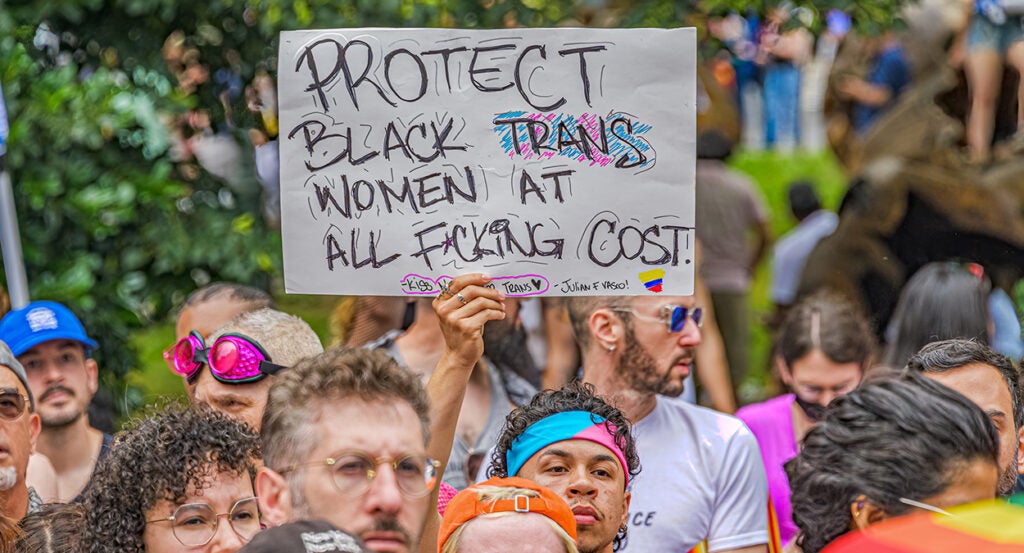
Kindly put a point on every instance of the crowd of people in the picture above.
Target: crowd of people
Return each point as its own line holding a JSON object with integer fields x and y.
{"x": 420, "y": 441}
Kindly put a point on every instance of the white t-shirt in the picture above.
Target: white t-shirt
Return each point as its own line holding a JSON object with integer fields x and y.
{"x": 701, "y": 479}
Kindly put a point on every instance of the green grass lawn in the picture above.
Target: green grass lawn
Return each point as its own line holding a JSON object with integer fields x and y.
{"x": 773, "y": 172}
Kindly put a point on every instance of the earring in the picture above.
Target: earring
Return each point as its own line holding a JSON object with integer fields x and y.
{"x": 610, "y": 348}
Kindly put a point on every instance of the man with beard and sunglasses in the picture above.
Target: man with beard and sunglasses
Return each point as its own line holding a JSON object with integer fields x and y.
{"x": 703, "y": 482}
{"x": 52, "y": 345}
{"x": 992, "y": 382}
{"x": 571, "y": 441}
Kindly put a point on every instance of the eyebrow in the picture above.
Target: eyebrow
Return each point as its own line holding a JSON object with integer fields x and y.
{"x": 565, "y": 455}
{"x": 556, "y": 453}
{"x": 995, "y": 413}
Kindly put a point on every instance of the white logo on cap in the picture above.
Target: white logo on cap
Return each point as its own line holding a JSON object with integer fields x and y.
{"x": 41, "y": 318}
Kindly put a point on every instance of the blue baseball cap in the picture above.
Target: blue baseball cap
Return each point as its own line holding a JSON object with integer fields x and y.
{"x": 42, "y": 321}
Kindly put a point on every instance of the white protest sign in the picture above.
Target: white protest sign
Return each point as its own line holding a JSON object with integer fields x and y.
{"x": 558, "y": 161}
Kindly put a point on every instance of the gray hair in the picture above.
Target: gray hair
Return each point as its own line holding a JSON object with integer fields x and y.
{"x": 8, "y": 360}
{"x": 286, "y": 338}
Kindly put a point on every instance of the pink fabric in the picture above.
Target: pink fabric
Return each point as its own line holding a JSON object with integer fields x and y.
{"x": 772, "y": 425}
{"x": 445, "y": 494}
{"x": 604, "y": 434}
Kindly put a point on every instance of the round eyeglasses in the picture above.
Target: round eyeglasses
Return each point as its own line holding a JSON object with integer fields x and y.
{"x": 353, "y": 472}
{"x": 195, "y": 524}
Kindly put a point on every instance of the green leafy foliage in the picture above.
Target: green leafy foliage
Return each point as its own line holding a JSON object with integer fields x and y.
{"x": 107, "y": 224}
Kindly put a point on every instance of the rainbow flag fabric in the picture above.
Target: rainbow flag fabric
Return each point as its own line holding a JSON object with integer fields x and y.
{"x": 995, "y": 526}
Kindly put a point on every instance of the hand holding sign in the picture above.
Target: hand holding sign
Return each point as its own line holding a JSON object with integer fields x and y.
{"x": 462, "y": 310}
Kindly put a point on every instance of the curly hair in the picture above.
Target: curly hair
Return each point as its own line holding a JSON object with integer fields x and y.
{"x": 161, "y": 457}
{"x": 897, "y": 436}
{"x": 575, "y": 396}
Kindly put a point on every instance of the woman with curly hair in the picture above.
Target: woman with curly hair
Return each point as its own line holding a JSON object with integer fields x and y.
{"x": 895, "y": 445}
{"x": 177, "y": 480}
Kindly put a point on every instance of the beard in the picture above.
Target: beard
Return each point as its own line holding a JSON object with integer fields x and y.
{"x": 60, "y": 419}
{"x": 1007, "y": 478}
{"x": 8, "y": 478}
{"x": 640, "y": 371}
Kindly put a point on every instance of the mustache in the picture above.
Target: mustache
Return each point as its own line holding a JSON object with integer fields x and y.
{"x": 54, "y": 389}
{"x": 390, "y": 524}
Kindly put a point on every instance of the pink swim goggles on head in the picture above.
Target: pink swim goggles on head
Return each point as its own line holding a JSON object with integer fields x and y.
{"x": 233, "y": 358}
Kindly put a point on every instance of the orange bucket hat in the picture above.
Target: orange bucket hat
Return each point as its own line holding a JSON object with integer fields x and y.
{"x": 467, "y": 505}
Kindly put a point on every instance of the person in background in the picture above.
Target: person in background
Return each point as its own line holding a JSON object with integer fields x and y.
{"x": 784, "y": 48}
{"x": 896, "y": 445}
{"x": 822, "y": 350}
{"x": 994, "y": 38}
{"x": 52, "y": 346}
{"x": 941, "y": 301}
{"x": 888, "y": 76}
{"x": 507, "y": 515}
{"x": 213, "y": 305}
{"x": 359, "y": 320}
{"x": 492, "y": 391}
{"x": 993, "y": 383}
{"x": 233, "y": 373}
{"x": 210, "y": 308}
{"x": 180, "y": 479}
{"x": 790, "y": 252}
{"x": 730, "y": 215}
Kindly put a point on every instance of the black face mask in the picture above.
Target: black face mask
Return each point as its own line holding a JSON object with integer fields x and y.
{"x": 815, "y": 412}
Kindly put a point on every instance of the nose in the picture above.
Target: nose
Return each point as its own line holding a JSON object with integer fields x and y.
{"x": 384, "y": 495}
{"x": 52, "y": 372}
{"x": 225, "y": 539}
{"x": 690, "y": 336}
{"x": 580, "y": 484}
{"x": 827, "y": 397}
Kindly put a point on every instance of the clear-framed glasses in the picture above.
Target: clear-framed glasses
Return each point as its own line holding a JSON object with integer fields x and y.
{"x": 353, "y": 471}
{"x": 673, "y": 316}
{"x": 12, "y": 404}
{"x": 195, "y": 524}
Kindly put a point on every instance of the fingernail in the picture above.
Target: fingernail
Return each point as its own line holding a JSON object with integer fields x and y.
{"x": 487, "y": 278}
